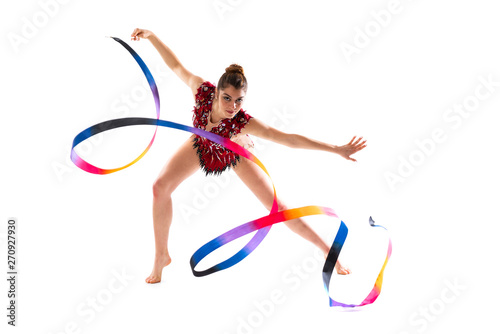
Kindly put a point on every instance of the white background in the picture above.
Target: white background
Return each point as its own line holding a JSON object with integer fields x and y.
{"x": 76, "y": 229}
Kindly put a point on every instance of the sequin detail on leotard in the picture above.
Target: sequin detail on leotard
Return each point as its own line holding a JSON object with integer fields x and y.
{"x": 214, "y": 158}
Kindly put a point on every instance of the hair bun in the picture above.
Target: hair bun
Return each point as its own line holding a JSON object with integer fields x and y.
{"x": 235, "y": 68}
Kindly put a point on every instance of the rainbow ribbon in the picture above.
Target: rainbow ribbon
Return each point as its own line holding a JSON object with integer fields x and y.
{"x": 261, "y": 225}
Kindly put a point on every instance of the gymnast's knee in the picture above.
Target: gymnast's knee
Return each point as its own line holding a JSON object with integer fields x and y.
{"x": 281, "y": 206}
{"x": 162, "y": 187}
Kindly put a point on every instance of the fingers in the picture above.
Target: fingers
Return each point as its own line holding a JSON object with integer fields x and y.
{"x": 137, "y": 34}
{"x": 361, "y": 145}
{"x": 359, "y": 148}
{"x": 354, "y": 146}
{"x": 357, "y": 142}
{"x": 357, "y": 145}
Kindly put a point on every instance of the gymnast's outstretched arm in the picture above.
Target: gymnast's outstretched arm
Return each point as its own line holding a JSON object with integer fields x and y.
{"x": 191, "y": 80}
{"x": 260, "y": 129}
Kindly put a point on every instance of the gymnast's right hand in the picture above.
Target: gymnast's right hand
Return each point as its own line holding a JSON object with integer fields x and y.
{"x": 141, "y": 33}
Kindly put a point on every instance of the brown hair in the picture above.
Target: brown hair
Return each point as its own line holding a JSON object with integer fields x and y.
{"x": 234, "y": 76}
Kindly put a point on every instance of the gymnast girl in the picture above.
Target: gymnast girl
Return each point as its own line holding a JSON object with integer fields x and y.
{"x": 219, "y": 110}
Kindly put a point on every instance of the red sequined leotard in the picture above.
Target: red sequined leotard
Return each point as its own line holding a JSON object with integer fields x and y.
{"x": 214, "y": 158}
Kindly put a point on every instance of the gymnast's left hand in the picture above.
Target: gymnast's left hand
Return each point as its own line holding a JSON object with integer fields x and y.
{"x": 352, "y": 147}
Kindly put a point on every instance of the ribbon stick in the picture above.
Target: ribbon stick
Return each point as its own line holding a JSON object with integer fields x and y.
{"x": 261, "y": 225}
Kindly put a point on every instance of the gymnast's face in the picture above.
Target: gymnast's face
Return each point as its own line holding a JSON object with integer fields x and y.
{"x": 230, "y": 101}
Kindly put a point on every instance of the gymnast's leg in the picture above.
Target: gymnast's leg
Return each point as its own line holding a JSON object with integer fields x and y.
{"x": 181, "y": 165}
{"x": 258, "y": 182}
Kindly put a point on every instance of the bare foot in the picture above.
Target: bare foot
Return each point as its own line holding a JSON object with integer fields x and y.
{"x": 341, "y": 270}
{"x": 160, "y": 263}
